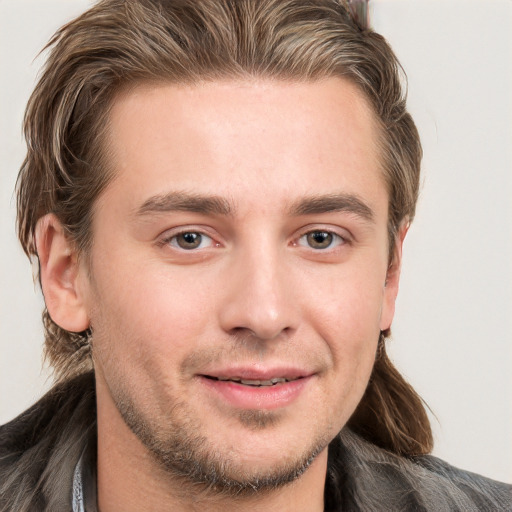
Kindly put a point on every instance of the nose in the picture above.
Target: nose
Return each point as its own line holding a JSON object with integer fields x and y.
{"x": 259, "y": 298}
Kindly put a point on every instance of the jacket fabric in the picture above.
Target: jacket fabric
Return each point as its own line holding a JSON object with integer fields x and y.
{"x": 48, "y": 463}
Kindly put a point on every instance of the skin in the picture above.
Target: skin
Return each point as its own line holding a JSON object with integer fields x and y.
{"x": 279, "y": 284}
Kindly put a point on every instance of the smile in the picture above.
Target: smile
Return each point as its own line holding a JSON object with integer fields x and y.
{"x": 253, "y": 382}
{"x": 251, "y": 393}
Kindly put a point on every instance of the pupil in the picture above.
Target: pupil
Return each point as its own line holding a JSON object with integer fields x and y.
{"x": 189, "y": 240}
{"x": 320, "y": 239}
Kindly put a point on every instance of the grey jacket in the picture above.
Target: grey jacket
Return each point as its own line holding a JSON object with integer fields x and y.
{"x": 53, "y": 445}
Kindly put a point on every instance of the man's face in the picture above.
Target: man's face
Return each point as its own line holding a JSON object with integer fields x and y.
{"x": 236, "y": 287}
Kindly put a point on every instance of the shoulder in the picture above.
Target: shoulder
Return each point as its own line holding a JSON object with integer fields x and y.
{"x": 372, "y": 479}
{"x": 483, "y": 493}
{"x": 39, "y": 448}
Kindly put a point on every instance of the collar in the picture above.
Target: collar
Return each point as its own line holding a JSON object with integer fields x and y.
{"x": 83, "y": 497}
{"x": 78, "y": 488}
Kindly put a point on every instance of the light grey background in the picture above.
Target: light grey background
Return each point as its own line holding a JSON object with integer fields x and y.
{"x": 453, "y": 329}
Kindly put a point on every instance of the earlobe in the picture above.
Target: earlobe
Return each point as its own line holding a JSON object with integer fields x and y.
{"x": 59, "y": 274}
{"x": 391, "y": 285}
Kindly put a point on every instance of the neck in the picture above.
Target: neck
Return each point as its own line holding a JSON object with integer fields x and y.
{"x": 130, "y": 479}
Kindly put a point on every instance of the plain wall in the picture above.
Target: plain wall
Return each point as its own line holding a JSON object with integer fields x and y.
{"x": 453, "y": 328}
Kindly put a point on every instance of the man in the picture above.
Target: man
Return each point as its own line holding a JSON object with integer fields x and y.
{"x": 217, "y": 193}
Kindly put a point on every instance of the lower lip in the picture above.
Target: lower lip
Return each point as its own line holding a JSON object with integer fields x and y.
{"x": 253, "y": 397}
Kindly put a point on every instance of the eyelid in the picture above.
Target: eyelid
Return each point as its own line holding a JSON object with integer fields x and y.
{"x": 342, "y": 233}
{"x": 165, "y": 238}
{"x": 173, "y": 241}
{"x": 170, "y": 234}
{"x": 337, "y": 241}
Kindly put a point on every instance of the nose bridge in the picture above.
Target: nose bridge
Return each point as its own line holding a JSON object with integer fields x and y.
{"x": 259, "y": 297}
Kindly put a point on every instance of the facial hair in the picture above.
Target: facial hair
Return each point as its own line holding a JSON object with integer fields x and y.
{"x": 189, "y": 458}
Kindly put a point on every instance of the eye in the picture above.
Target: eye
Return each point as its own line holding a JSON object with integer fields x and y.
{"x": 320, "y": 239}
{"x": 189, "y": 240}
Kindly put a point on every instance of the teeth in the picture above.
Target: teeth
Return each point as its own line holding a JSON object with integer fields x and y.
{"x": 252, "y": 382}
{"x": 249, "y": 382}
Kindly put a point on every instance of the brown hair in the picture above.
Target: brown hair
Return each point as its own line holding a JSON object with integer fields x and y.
{"x": 118, "y": 43}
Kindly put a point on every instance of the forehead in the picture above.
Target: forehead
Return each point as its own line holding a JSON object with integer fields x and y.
{"x": 256, "y": 139}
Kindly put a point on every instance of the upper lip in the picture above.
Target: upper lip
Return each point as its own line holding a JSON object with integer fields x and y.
{"x": 258, "y": 373}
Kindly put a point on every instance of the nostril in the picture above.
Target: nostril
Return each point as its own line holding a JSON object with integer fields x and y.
{"x": 246, "y": 336}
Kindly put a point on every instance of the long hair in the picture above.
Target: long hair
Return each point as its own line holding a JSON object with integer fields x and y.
{"x": 119, "y": 43}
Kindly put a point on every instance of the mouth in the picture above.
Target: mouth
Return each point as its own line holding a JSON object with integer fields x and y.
{"x": 254, "y": 382}
{"x": 250, "y": 388}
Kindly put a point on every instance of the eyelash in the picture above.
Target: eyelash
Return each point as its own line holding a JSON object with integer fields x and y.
{"x": 336, "y": 240}
{"x": 171, "y": 240}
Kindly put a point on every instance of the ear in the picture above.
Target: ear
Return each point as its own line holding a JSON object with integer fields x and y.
{"x": 59, "y": 272}
{"x": 393, "y": 279}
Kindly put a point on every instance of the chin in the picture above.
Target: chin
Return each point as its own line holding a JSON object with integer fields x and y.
{"x": 260, "y": 455}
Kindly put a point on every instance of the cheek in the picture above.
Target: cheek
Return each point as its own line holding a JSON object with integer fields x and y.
{"x": 143, "y": 329}
{"x": 150, "y": 310}
{"x": 349, "y": 303}
{"x": 347, "y": 317}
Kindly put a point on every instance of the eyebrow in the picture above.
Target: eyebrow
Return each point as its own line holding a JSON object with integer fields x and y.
{"x": 185, "y": 202}
{"x": 215, "y": 205}
{"x": 333, "y": 203}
